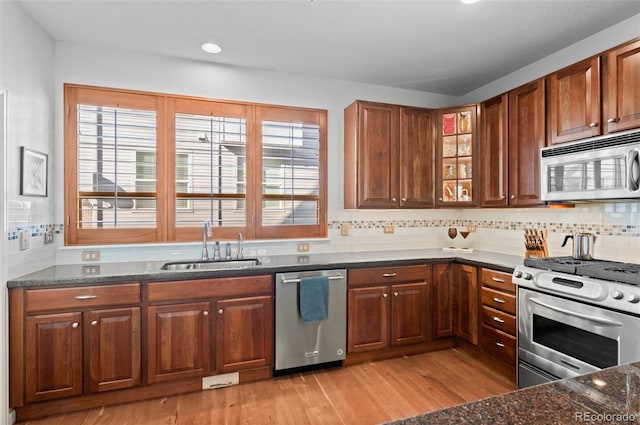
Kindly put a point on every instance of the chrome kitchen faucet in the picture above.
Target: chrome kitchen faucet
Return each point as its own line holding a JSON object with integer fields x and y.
{"x": 206, "y": 231}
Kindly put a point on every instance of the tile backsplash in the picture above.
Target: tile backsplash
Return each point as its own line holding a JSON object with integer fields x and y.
{"x": 616, "y": 226}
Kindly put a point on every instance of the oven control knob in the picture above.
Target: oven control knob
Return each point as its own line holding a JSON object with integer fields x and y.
{"x": 527, "y": 276}
{"x": 617, "y": 295}
{"x": 633, "y": 298}
{"x": 518, "y": 274}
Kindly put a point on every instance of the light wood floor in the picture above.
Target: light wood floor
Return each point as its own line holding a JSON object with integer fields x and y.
{"x": 368, "y": 393}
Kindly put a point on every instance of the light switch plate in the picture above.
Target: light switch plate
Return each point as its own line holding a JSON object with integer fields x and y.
{"x": 344, "y": 229}
{"x": 90, "y": 255}
{"x": 388, "y": 229}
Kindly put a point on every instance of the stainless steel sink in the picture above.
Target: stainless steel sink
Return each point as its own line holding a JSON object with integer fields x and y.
{"x": 211, "y": 265}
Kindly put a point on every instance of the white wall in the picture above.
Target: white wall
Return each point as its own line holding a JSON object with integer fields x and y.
{"x": 26, "y": 67}
{"x": 590, "y": 46}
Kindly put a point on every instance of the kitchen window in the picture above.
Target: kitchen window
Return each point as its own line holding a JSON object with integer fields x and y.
{"x": 145, "y": 167}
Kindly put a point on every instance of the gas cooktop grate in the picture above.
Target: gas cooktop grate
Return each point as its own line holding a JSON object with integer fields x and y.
{"x": 598, "y": 269}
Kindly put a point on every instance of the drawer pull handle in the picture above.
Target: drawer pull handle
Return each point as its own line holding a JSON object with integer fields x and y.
{"x": 389, "y": 274}
{"x": 499, "y": 344}
{"x": 497, "y": 279}
{"x": 395, "y": 294}
{"x": 385, "y": 295}
{"x": 498, "y": 300}
{"x": 497, "y": 319}
{"x": 94, "y": 323}
{"x": 75, "y": 325}
{"x": 85, "y": 297}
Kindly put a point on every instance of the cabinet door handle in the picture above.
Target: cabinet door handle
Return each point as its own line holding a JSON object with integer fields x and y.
{"x": 497, "y": 279}
{"x": 499, "y": 344}
{"x": 85, "y": 297}
{"x": 205, "y": 313}
{"x": 612, "y": 120}
{"x": 393, "y": 199}
{"x": 404, "y": 199}
{"x": 75, "y": 325}
{"x": 513, "y": 196}
{"x": 220, "y": 311}
{"x": 389, "y": 274}
{"x": 385, "y": 295}
{"x": 499, "y": 300}
{"x": 497, "y": 319}
{"x": 395, "y": 294}
{"x": 440, "y": 199}
{"x": 94, "y": 323}
{"x": 502, "y": 197}
{"x": 593, "y": 125}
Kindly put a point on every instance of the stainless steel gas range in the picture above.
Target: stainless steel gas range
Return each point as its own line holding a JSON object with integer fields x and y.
{"x": 575, "y": 317}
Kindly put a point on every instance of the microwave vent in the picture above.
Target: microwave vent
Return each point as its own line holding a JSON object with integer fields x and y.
{"x": 593, "y": 144}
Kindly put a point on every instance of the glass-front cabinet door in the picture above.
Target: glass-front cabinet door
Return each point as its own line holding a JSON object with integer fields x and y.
{"x": 457, "y": 153}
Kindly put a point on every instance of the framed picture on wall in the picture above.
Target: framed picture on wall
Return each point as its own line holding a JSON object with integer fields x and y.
{"x": 33, "y": 172}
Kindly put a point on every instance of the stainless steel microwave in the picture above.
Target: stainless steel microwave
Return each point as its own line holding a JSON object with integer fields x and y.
{"x": 601, "y": 168}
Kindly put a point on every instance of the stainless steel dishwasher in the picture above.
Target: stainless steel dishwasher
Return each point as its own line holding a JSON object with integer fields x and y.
{"x": 300, "y": 343}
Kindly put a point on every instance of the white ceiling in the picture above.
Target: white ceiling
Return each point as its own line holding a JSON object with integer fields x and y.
{"x": 439, "y": 46}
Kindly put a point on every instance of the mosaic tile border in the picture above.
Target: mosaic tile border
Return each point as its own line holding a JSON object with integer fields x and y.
{"x": 34, "y": 230}
{"x": 623, "y": 230}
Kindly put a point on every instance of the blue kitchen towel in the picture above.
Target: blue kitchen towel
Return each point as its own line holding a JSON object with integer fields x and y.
{"x": 314, "y": 298}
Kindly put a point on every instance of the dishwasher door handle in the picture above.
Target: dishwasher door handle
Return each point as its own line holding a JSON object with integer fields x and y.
{"x": 336, "y": 277}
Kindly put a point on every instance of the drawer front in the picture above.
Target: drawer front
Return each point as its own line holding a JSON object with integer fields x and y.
{"x": 499, "y": 300}
{"x": 382, "y": 275}
{"x": 223, "y": 287}
{"x": 498, "y": 319}
{"x": 82, "y": 296}
{"x": 498, "y": 344}
{"x": 497, "y": 280}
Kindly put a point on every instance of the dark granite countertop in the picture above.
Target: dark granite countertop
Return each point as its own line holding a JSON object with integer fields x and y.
{"x": 137, "y": 271}
{"x": 608, "y": 396}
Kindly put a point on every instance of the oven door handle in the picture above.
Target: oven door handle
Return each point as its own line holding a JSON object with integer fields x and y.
{"x": 600, "y": 320}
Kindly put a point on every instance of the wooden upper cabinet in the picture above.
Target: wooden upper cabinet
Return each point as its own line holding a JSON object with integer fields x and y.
{"x": 388, "y": 156}
{"x": 456, "y": 140}
{"x": 526, "y": 138}
{"x": 416, "y": 158}
{"x": 494, "y": 150}
{"x": 371, "y": 155}
{"x": 621, "y": 95}
{"x": 573, "y": 108}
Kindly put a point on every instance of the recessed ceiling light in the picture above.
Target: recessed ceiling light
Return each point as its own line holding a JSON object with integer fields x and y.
{"x": 469, "y": 1}
{"x": 211, "y": 48}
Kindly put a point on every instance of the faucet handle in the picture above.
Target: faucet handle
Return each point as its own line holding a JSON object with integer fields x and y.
{"x": 216, "y": 251}
{"x": 227, "y": 251}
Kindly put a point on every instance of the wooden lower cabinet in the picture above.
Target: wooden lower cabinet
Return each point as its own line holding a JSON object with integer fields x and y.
{"x": 244, "y": 333}
{"x": 53, "y": 356}
{"x": 114, "y": 348}
{"x": 382, "y": 316}
{"x": 178, "y": 341}
{"x": 467, "y": 304}
{"x": 499, "y": 325}
{"x": 444, "y": 296}
{"x": 368, "y": 326}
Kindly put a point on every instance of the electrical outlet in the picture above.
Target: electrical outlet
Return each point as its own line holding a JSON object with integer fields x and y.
{"x": 90, "y": 255}
{"x": 344, "y": 229}
{"x": 48, "y": 237}
{"x": 388, "y": 229}
{"x": 303, "y": 247}
{"x": 303, "y": 259}
{"x": 90, "y": 270}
